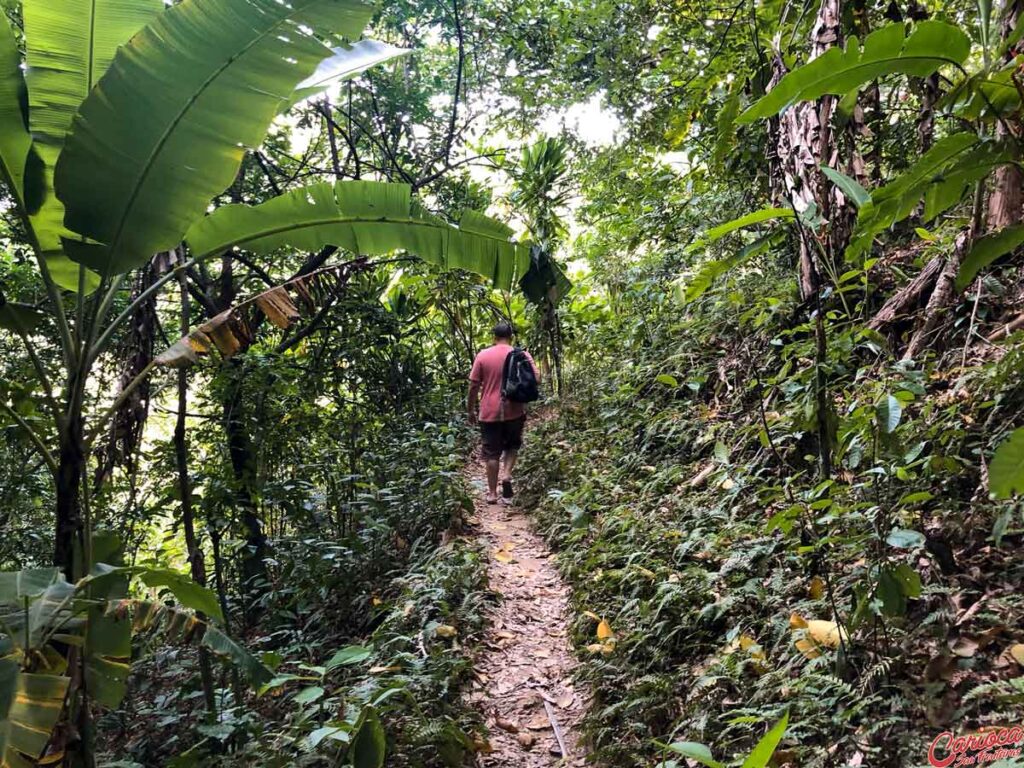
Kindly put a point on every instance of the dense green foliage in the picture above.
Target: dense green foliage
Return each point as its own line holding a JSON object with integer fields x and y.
{"x": 784, "y": 452}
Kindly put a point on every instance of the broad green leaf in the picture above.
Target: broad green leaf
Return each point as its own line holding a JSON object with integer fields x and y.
{"x": 362, "y": 217}
{"x": 350, "y": 654}
{"x": 897, "y": 199}
{"x": 333, "y": 732}
{"x": 167, "y": 126}
{"x": 308, "y": 695}
{"x": 766, "y": 746}
{"x": 853, "y": 191}
{"x": 347, "y": 62}
{"x": 889, "y": 412}
{"x": 15, "y": 140}
{"x": 930, "y": 46}
{"x": 1006, "y": 470}
{"x": 947, "y": 188}
{"x": 185, "y": 591}
{"x": 108, "y": 636}
{"x": 890, "y": 593}
{"x": 9, "y": 672}
{"x": 697, "y": 285}
{"x": 904, "y": 538}
{"x": 223, "y": 645}
{"x": 757, "y": 217}
{"x": 30, "y": 583}
{"x": 70, "y": 44}
{"x": 726, "y": 123}
{"x": 694, "y": 751}
{"x": 986, "y": 250}
{"x": 368, "y": 743}
{"x": 909, "y": 579}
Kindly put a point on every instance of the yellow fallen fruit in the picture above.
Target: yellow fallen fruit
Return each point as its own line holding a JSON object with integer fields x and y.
{"x": 818, "y": 634}
{"x": 1017, "y": 651}
{"x": 604, "y": 630}
{"x": 816, "y": 588}
{"x": 445, "y": 630}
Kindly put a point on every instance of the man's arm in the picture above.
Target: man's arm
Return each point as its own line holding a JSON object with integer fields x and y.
{"x": 473, "y": 401}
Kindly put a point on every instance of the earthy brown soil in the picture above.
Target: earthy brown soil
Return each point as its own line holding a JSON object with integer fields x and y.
{"x": 525, "y": 659}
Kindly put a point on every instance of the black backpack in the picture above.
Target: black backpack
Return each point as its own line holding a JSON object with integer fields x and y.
{"x": 518, "y": 381}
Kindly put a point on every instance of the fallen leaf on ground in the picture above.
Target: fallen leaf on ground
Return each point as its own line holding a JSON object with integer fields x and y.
{"x": 526, "y": 740}
{"x": 507, "y": 725}
{"x": 604, "y": 630}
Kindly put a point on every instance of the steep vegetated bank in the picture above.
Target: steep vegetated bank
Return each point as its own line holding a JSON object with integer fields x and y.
{"x": 680, "y": 483}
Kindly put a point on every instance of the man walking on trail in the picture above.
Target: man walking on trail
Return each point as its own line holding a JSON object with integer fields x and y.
{"x": 501, "y": 413}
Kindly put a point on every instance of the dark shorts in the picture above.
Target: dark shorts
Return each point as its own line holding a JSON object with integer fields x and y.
{"x": 499, "y": 436}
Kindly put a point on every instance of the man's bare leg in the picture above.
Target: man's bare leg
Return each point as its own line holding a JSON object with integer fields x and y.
{"x": 510, "y": 464}
{"x": 492, "y": 480}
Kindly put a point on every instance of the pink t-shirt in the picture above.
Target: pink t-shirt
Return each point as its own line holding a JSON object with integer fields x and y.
{"x": 488, "y": 368}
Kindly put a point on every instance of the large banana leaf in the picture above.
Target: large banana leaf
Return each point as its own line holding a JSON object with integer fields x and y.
{"x": 347, "y": 62}
{"x": 166, "y": 128}
{"x": 30, "y": 705}
{"x": 886, "y": 51}
{"x": 367, "y": 218}
{"x": 15, "y": 141}
{"x": 70, "y": 44}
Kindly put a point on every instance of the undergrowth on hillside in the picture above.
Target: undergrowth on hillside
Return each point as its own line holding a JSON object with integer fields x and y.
{"x": 378, "y": 623}
{"x": 679, "y": 486}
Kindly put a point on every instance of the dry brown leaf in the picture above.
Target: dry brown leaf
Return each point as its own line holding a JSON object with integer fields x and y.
{"x": 526, "y": 740}
{"x": 565, "y": 700}
{"x": 539, "y": 723}
{"x": 507, "y": 725}
{"x": 278, "y": 307}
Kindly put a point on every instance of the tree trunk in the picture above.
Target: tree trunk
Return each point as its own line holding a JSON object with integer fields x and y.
{"x": 1006, "y": 202}
{"x": 243, "y": 466}
{"x": 942, "y": 297}
{"x": 804, "y": 139}
{"x": 195, "y": 552}
{"x": 70, "y": 529}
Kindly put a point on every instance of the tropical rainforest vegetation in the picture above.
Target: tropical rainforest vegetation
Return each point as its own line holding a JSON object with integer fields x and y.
{"x": 767, "y": 254}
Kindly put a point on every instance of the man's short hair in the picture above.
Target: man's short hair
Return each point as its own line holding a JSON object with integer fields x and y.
{"x": 503, "y": 330}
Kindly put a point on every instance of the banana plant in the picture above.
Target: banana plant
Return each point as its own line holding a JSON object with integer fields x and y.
{"x": 113, "y": 147}
{"x": 42, "y": 615}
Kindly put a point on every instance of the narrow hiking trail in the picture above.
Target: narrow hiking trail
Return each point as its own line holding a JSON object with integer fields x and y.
{"x": 524, "y": 668}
